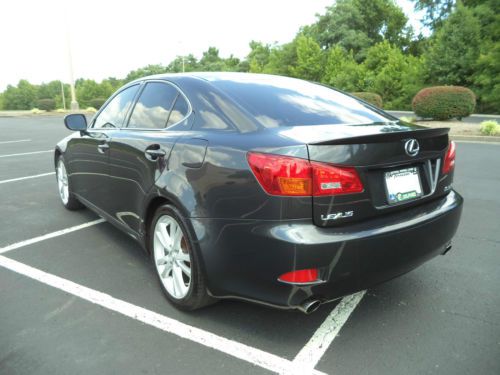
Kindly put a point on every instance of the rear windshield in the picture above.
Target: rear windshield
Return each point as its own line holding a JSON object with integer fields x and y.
{"x": 280, "y": 101}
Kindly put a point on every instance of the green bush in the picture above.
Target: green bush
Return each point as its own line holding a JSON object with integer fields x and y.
{"x": 97, "y": 103}
{"x": 444, "y": 102}
{"x": 46, "y": 104}
{"x": 490, "y": 127}
{"x": 369, "y": 97}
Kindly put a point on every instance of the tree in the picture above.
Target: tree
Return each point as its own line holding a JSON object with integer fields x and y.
{"x": 190, "y": 64}
{"x": 392, "y": 74}
{"x": 21, "y": 97}
{"x": 487, "y": 70}
{"x": 211, "y": 61}
{"x": 357, "y": 24}
{"x": 258, "y": 57}
{"x": 310, "y": 59}
{"x": 436, "y": 11}
{"x": 282, "y": 59}
{"x": 342, "y": 71}
{"x": 454, "y": 49}
{"x": 146, "y": 71}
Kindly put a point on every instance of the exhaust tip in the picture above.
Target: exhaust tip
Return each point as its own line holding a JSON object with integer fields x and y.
{"x": 448, "y": 248}
{"x": 309, "y": 307}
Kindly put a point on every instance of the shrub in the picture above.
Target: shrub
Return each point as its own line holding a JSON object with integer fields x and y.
{"x": 36, "y": 111}
{"x": 369, "y": 97}
{"x": 490, "y": 127}
{"x": 90, "y": 109}
{"x": 46, "y": 104}
{"x": 444, "y": 102}
{"x": 408, "y": 119}
{"x": 97, "y": 103}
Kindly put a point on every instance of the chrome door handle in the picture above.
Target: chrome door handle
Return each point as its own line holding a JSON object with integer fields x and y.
{"x": 154, "y": 154}
{"x": 102, "y": 148}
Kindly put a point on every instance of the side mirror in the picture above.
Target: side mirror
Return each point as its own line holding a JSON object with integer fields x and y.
{"x": 76, "y": 122}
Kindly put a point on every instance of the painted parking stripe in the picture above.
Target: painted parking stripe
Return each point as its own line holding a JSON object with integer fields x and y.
{"x": 27, "y": 177}
{"x": 44, "y": 237}
{"x": 26, "y": 153}
{"x": 17, "y": 141}
{"x": 312, "y": 352}
{"x": 236, "y": 349}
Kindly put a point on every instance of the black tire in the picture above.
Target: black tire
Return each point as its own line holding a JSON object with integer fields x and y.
{"x": 71, "y": 203}
{"x": 197, "y": 296}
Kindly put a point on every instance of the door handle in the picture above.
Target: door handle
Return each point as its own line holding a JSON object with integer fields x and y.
{"x": 102, "y": 148}
{"x": 153, "y": 154}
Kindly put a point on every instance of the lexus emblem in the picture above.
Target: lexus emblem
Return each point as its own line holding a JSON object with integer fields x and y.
{"x": 412, "y": 147}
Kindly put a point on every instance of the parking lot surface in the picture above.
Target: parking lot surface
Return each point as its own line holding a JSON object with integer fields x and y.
{"x": 86, "y": 300}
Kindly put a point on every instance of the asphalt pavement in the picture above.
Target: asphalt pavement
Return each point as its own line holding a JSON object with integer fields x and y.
{"x": 65, "y": 301}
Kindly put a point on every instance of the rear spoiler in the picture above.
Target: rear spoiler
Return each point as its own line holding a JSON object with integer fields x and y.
{"x": 386, "y": 137}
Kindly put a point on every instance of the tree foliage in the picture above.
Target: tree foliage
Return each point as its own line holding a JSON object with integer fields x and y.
{"x": 356, "y": 25}
{"x": 355, "y": 45}
{"x": 454, "y": 49}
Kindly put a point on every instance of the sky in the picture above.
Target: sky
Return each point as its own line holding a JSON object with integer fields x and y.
{"x": 109, "y": 38}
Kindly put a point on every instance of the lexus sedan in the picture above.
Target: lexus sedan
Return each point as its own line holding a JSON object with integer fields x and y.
{"x": 262, "y": 188}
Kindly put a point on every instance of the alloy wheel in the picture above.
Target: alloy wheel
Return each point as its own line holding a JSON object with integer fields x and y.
{"x": 171, "y": 256}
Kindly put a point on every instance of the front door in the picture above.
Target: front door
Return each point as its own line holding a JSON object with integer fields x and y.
{"x": 90, "y": 151}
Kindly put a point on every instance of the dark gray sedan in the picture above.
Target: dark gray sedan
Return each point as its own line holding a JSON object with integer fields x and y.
{"x": 262, "y": 188}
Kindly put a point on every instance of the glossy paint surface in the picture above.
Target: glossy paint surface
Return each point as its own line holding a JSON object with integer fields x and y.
{"x": 246, "y": 237}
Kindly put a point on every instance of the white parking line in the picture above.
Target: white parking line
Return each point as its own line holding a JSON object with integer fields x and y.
{"x": 27, "y": 177}
{"x": 236, "y": 349}
{"x": 26, "y": 153}
{"x": 312, "y": 352}
{"x": 44, "y": 237}
{"x": 17, "y": 141}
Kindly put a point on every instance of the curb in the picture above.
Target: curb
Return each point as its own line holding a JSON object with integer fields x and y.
{"x": 475, "y": 138}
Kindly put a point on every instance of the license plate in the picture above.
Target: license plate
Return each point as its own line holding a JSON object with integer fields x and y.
{"x": 403, "y": 185}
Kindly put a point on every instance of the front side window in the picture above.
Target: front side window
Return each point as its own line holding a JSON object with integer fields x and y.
{"x": 113, "y": 115}
{"x": 153, "y": 107}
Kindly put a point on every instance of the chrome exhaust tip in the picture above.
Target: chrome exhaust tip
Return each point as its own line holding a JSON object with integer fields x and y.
{"x": 447, "y": 248}
{"x": 310, "y": 306}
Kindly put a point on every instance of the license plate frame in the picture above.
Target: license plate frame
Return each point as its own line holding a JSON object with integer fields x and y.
{"x": 403, "y": 185}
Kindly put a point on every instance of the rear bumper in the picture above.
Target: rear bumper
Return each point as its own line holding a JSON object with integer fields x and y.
{"x": 243, "y": 258}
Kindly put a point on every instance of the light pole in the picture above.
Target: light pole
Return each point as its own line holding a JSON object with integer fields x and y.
{"x": 63, "y": 96}
{"x": 74, "y": 103}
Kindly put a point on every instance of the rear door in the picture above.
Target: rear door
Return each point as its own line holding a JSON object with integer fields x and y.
{"x": 139, "y": 152}
{"x": 89, "y": 154}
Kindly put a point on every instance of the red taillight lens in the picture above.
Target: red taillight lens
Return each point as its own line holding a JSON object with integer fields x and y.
{"x": 281, "y": 175}
{"x": 449, "y": 159}
{"x": 285, "y": 175}
{"x": 332, "y": 180}
{"x": 301, "y": 276}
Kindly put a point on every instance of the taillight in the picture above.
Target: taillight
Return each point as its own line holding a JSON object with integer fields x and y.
{"x": 289, "y": 176}
{"x": 301, "y": 276}
{"x": 449, "y": 159}
{"x": 332, "y": 180}
{"x": 281, "y": 175}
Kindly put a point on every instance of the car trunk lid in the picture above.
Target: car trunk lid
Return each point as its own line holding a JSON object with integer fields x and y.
{"x": 386, "y": 166}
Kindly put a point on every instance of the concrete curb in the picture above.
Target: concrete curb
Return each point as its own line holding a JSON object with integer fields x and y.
{"x": 476, "y": 138}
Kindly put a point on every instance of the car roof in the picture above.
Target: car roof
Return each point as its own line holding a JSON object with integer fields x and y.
{"x": 217, "y": 76}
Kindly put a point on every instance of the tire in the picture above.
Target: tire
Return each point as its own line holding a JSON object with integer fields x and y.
{"x": 178, "y": 265}
{"x": 68, "y": 200}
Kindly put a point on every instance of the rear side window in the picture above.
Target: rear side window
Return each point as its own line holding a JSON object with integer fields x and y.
{"x": 153, "y": 107}
{"x": 280, "y": 101}
{"x": 179, "y": 111}
{"x": 113, "y": 115}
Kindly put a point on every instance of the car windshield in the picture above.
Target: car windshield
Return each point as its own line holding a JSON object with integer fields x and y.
{"x": 278, "y": 101}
